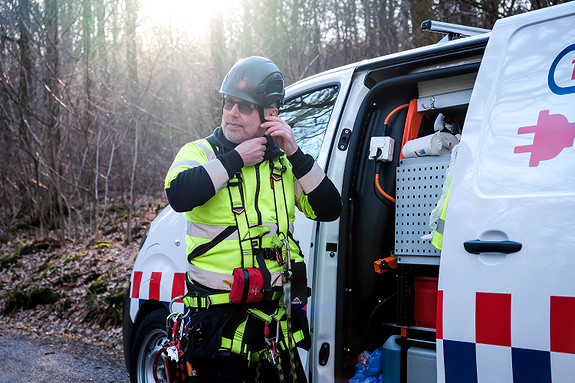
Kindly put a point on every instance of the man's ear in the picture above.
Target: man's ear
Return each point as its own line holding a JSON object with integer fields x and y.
{"x": 273, "y": 112}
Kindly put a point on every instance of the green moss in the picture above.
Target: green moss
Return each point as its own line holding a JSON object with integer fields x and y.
{"x": 35, "y": 247}
{"x": 111, "y": 230}
{"x": 10, "y": 259}
{"x": 22, "y": 225}
{"x": 65, "y": 278}
{"x": 105, "y": 309}
{"x": 93, "y": 276}
{"x": 114, "y": 306}
{"x": 29, "y": 298}
{"x": 98, "y": 286}
{"x": 118, "y": 208}
{"x": 72, "y": 257}
{"x": 27, "y": 249}
{"x": 47, "y": 266}
{"x": 102, "y": 245}
{"x": 62, "y": 308}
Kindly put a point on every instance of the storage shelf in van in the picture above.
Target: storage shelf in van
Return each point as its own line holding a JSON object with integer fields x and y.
{"x": 418, "y": 188}
{"x": 445, "y": 93}
{"x": 444, "y": 101}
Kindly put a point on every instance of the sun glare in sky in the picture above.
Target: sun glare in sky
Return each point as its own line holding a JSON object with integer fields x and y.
{"x": 191, "y": 17}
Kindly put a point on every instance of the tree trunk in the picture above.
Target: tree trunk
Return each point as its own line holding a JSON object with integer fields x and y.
{"x": 134, "y": 85}
{"x": 421, "y": 10}
{"x": 53, "y": 130}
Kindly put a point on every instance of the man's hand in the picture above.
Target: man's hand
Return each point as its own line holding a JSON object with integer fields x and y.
{"x": 252, "y": 150}
{"x": 282, "y": 133}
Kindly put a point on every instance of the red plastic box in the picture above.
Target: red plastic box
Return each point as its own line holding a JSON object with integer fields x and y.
{"x": 425, "y": 305}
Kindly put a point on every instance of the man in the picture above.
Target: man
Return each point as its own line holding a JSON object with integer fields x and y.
{"x": 239, "y": 188}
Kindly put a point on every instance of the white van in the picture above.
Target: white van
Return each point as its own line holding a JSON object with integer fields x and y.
{"x": 497, "y": 303}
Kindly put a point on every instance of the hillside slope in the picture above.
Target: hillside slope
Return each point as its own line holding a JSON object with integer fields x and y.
{"x": 73, "y": 288}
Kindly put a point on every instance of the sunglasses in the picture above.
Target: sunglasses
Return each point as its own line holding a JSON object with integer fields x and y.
{"x": 246, "y": 108}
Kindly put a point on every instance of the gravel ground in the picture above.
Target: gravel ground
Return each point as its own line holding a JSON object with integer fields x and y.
{"x": 30, "y": 356}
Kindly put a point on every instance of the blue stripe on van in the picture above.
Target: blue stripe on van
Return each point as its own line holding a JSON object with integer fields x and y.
{"x": 531, "y": 366}
{"x": 460, "y": 363}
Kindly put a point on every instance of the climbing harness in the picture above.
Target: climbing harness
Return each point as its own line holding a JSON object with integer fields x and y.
{"x": 169, "y": 365}
{"x": 252, "y": 282}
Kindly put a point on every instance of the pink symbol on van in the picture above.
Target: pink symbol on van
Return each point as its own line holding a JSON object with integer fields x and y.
{"x": 553, "y": 133}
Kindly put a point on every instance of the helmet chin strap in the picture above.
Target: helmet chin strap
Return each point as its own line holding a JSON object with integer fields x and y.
{"x": 261, "y": 112}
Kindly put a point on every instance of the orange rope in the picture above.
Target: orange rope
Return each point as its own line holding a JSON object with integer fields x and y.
{"x": 381, "y": 190}
{"x": 377, "y": 185}
{"x": 395, "y": 111}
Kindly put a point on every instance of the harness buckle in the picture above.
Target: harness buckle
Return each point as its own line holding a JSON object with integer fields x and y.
{"x": 271, "y": 344}
{"x": 235, "y": 181}
{"x": 279, "y": 258}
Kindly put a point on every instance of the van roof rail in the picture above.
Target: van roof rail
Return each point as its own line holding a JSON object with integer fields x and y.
{"x": 452, "y": 31}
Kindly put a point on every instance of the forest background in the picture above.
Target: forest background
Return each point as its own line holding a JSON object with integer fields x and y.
{"x": 97, "y": 96}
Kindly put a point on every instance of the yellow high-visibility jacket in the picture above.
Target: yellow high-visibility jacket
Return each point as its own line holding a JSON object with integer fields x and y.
{"x": 197, "y": 183}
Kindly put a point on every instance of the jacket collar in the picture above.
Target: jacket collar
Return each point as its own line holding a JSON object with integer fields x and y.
{"x": 272, "y": 149}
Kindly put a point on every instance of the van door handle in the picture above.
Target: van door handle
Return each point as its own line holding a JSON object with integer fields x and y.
{"x": 478, "y": 246}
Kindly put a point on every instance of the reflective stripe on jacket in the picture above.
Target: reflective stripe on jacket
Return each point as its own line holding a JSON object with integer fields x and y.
{"x": 437, "y": 240}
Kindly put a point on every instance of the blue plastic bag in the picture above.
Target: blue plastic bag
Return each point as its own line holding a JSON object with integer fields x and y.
{"x": 369, "y": 368}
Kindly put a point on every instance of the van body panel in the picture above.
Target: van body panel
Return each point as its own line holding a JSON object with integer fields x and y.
{"x": 513, "y": 182}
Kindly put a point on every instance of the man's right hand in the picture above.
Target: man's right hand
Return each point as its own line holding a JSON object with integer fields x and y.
{"x": 252, "y": 150}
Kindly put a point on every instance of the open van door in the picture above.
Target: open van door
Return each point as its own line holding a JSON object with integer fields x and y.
{"x": 506, "y": 302}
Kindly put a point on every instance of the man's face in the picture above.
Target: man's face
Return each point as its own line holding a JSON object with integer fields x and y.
{"x": 241, "y": 120}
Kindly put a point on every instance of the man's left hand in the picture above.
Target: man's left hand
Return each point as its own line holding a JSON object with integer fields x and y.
{"x": 282, "y": 134}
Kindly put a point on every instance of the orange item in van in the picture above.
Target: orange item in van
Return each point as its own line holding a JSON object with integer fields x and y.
{"x": 412, "y": 124}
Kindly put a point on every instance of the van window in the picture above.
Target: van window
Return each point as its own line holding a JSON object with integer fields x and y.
{"x": 309, "y": 115}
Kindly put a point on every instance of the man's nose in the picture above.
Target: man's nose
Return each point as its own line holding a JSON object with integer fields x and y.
{"x": 235, "y": 109}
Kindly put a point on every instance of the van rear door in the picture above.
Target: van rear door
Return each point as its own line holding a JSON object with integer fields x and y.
{"x": 506, "y": 302}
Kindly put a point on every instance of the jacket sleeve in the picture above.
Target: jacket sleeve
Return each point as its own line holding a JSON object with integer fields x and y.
{"x": 316, "y": 196}
{"x": 193, "y": 178}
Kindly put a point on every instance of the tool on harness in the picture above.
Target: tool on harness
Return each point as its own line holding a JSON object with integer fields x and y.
{"x": 283, "y": 327}
{"x": 273, "y": 254}
{"x": 287, "y": 304}
{"x": 168, "y": 365}
{"x": 271, "y": 344}
{"x": 174, "y": 350}
{"x": 286, "y": 279}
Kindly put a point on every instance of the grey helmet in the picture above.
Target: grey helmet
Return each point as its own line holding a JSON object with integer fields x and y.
{"x": 255, "y": 79}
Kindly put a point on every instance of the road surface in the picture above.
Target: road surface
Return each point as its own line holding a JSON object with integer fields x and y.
{"x": 27, "y": 356}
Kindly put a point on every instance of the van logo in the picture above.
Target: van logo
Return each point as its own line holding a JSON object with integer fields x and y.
{"x": 553, "y": 133}
{"x": 565, "y": 62}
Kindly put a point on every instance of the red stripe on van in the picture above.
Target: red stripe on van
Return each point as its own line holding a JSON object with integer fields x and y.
{"x": 493, "y": 319}
{"x": 136, "y": 284}
{"x": 179, "y": 285}
{"x": 155, "y": 286}
{"x": 439, "y": 320}
{"x": 562, "y": 330}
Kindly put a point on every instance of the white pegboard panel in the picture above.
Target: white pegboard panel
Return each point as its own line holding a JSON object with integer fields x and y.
{"x": 418, "y": 188}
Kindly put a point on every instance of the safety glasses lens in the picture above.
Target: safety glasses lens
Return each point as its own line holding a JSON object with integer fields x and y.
{"x": 244, "y": 107}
